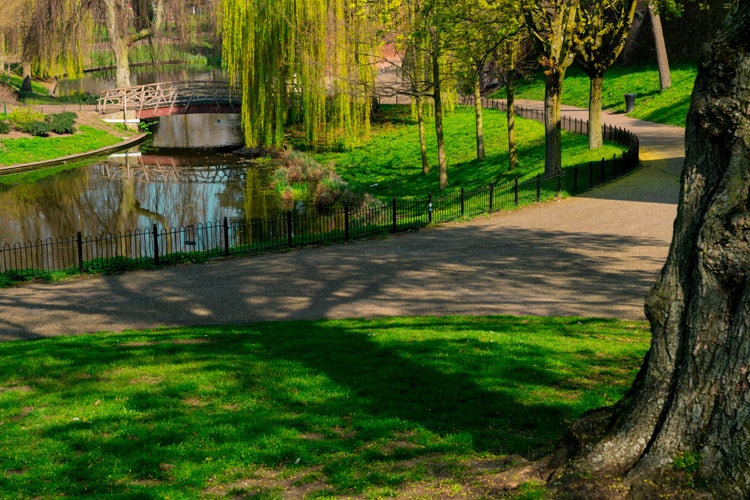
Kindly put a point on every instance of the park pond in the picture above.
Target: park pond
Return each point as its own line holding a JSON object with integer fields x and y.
{"x": 171, "y": 188}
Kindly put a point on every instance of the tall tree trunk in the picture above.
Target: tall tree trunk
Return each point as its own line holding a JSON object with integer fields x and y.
{"x": 422, "y": 138}
{"x": 511, "y": 120}
{"x": 595, "y": 111}
{"x": 665, "y": 79}
{"x": 119, "y": 42}
{"x": 552, "y": 125}
{"x": 438, "y": 98}
{"x": 26, "y": 83}
{"x": 478, "y": 119}
{"x": 690, "y": 403}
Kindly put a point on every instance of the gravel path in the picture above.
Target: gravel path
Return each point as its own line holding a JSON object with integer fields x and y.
{"x": 593, "y": 255}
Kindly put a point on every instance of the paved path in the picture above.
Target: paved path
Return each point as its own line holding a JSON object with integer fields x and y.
{"x": 592, "y": 255}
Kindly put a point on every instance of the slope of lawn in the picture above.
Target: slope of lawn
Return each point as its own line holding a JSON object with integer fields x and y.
{"x": 30, "y": 149}
{"x": 669, "y": 107}
{"x": 389, "y": 164}
{"x": 371, "y": 408}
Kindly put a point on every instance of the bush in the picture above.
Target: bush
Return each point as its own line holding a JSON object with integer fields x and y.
{"x": 37, "y": 129}
{"x": 21, "y": 118}
{"x": 4, "y": 127}
{"x": 62, "y": 123}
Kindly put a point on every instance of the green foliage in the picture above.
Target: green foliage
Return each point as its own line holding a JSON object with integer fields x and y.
{"x": 110, "y": 265}
{"x": 690, "y": 462}
{"x": 23, "y": 117}
{"x": 62, "y": 123}
{"x": 351, "y": 408}
{"x": 4, "y": 127}
{"x": 37, "y": 129}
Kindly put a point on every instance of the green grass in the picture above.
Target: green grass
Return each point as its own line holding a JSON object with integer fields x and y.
{"x": 29, "y": 149}
{"x": 669, "y": 107}
{"x": 389, "y": 164}
{"x": 369, "y": 408}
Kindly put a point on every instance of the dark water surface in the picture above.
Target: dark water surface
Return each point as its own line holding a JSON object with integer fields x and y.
{"x": 172, "y": 188}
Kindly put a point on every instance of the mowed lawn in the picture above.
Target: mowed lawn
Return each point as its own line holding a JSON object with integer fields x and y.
{"x": 370, "y": 408}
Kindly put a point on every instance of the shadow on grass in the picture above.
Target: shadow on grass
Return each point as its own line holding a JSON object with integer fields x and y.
{"x": 162, "y": 413}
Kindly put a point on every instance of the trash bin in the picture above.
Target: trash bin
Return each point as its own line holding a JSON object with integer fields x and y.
{"x": 629, "y": 102}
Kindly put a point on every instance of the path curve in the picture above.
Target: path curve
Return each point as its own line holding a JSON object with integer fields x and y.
{"x": 593, "y": 255}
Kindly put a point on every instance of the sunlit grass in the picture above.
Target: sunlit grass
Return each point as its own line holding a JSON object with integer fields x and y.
{"x": 30, "y": 149}
{"x": 331, "y": 407}
{"x": 669, "y": 107}
{"x": 389, "y": 165}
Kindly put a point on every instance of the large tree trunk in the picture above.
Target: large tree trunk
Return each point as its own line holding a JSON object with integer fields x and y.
{"x": 478, "y": 119}
{"x": 119, "y": 41}
{"x": 665, "y": 78}
{"x": 596, "y": 83}
{"x": 687, "y": 414}
{"x": 552, "y": 124}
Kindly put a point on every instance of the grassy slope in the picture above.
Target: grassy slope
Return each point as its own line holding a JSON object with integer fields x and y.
{"x": 669, "y": 107}
{"x": 376, "y": 407}
{"x": 389, "y": 164}
{"x": 29, "y": 149}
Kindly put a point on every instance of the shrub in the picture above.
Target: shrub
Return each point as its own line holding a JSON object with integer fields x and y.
{"x": 62, "y": 123}
{"x": 37, "y": 129}
{"x": 4, "y": 127}
{"x": 22, "y": 117}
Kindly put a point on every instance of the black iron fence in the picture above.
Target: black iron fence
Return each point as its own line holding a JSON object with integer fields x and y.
{"x": 226, "y": 237}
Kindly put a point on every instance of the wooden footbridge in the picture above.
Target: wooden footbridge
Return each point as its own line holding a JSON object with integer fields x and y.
{"x": 171, "y": 98}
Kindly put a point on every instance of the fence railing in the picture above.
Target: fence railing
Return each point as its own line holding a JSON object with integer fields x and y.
{"x": 84, "y": 253}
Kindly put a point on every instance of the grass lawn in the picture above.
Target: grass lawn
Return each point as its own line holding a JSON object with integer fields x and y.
{"x": 373, "y": 408}
{"x": 669, "y": 107}
{"x": 389, "y": 164}
{"x": 29, "y": 149}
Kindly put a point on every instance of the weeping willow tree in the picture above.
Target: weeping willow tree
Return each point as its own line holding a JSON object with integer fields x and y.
{"x": 303, "y": 60}
{"x": 54, "y": 24}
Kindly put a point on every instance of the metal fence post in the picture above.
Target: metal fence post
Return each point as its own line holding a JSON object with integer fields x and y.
{"x": 575, "y": 179}
{"x": 463, "y": 201}
{"x": 492, "y": 197}
{"x": 429, "y": 208}
{"x": 225, "y": 226}
{"x": 346, "y": 222}
{"x": 79, "y": 241}
{"x": 289, "y": 232}
{"x": 538, "y": 187}
{"x": 515, "y": 191}
{"x": 155, "y": 233}
{"x": 393, "y": 213}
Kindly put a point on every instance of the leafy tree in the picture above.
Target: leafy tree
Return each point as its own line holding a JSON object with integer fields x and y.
{"x": 420, "y": 34}
{"x": 601, "y": 33}
{"x": 310, "y": 52}
{"x": 685, "y": 417}
{"x": 553, "y": 24}
{"x": 481, "y": 27}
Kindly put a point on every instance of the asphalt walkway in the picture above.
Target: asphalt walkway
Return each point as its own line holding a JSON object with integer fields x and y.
{"x": 593, "y": 255}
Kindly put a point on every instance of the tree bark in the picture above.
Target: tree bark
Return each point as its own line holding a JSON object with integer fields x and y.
{"x": 511, "y": 120}
{"x": 665, "y": 79}
{"x": 690, "y": 403}
{"x": 596, "y": 83}
{"x": 552, "y": 124}
{"x": 422, "y": 138}
{"x": 438, "y": 98}
{"x": 478, "y": 119}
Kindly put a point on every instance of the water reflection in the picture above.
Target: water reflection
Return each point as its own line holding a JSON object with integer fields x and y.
{"x": 123, "y": 193}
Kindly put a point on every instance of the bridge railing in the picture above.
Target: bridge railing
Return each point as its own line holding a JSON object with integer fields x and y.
{"x": 168, "y": 95}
